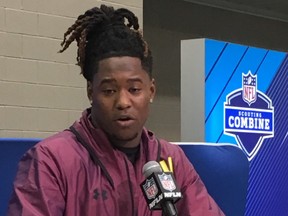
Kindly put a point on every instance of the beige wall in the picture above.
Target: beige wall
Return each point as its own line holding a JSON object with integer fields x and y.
{"x": 41, "y": 91}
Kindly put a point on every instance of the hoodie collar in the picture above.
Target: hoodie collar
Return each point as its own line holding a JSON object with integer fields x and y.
{"x": 149, "y": 145}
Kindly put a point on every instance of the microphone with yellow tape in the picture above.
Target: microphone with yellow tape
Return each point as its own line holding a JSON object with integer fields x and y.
{"x": 159, "y": 188}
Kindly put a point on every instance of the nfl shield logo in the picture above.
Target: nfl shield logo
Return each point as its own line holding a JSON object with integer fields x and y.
{"x": 249, "y": 88}
{"x": 150, "y": 188}
{"x": 167, "y": 181}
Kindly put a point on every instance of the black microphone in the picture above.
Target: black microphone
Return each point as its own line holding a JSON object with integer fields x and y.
{"x": 160, "y": 189}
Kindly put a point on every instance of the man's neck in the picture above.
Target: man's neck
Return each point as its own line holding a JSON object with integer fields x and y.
{"x": 131, "y": 153}
{"x": 133, "y": 143}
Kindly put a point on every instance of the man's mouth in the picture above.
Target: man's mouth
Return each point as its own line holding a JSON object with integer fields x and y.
{"x": 125, "y": 120}
{"x": 124, "y": 117}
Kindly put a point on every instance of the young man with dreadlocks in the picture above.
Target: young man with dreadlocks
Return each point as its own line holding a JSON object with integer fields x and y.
{"x": 95, "y": 166}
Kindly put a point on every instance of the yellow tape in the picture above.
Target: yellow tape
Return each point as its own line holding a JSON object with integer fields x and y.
{"x": 164, "y": 166}
{"x": 170, "y": 164}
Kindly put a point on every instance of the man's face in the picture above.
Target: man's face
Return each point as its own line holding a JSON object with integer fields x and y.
{"x": 121, "y": 92}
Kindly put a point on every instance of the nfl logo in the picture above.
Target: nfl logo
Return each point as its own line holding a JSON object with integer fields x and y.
{"x": 167, "y": 182}
{"x": 249, "y": 88}
{"x": 150, "y": 188}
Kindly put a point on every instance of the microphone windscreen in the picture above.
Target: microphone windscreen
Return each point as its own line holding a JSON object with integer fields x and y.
{"x": 151, "y": 167}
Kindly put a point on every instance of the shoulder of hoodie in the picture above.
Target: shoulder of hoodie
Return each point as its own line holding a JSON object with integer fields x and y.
{"x": 61, "y": 144}
{"x": 167, "y": 148}
{"x": 180, "y": 161}
{"x": 170, "y": 148}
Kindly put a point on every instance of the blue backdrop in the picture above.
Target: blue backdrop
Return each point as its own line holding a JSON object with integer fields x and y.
{"x": 255, "y": 81}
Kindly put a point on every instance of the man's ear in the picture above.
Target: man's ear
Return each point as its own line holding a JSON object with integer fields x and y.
{"x": 89, "y": 91}
{"x": 152, "y": 90}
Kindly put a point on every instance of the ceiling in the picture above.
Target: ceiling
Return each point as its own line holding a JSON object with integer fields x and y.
{"x": 273, "y": 9}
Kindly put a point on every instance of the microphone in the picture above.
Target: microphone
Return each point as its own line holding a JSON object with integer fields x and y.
{"x": 160, "y": 189}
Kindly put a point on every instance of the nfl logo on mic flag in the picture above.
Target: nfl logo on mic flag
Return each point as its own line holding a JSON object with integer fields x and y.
{"x": 160, "y": 187}
{"x": 150, "y": 188}
{"x": 167, "y": 182}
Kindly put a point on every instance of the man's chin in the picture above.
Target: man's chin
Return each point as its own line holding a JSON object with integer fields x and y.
{"x": 126, "y": 138}
{"x": 123, "y": 138}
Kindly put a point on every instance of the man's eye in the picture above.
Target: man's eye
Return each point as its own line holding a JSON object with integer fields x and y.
{"x": 108, "y": 91}
{"x": 134, "y": 90}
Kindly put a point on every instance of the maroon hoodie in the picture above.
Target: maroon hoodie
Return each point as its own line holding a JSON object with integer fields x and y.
{"x": 57, "y": 177}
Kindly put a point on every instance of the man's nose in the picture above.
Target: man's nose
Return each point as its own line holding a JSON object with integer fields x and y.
{"x": 123, "y": 100}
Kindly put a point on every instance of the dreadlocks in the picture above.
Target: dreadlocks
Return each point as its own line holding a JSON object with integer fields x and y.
{"x": 102, "y": 33}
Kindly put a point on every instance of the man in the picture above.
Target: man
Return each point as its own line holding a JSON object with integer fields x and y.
{"x": 95, "y": 166}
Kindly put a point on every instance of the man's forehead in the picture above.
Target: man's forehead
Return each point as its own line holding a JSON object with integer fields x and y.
{"x": 124, "y": 63}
